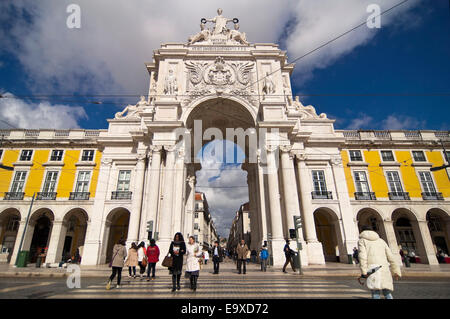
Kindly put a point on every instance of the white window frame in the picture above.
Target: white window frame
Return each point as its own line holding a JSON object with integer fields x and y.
{"x": 432, "y": 181}
{"x": 393, "y": 156}
{"x": 350, "y": 155}
{"x": 24, "y": 181}
{"x": 2, "y": 151}
{"x": 75, "y": 189}
{"x": 324, "y": 181}
{"x": 31, "y": 158}
{"x": 87, "y": 150}
{"x": 44, "y": 180}
{"x": 119, "y": 180}
{"x": 51, "y": 154}
{"x": 400, "y": 180}
{"x": 367, "y": 180}
{"x": 424, "y": 156}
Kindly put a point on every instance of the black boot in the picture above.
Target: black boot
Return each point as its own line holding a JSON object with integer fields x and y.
{"x": 174, "y": 280}
{"x": 178, "y": 282}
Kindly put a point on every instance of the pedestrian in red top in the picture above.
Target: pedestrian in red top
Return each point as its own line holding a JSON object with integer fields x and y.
{"x": 153, "y": 258}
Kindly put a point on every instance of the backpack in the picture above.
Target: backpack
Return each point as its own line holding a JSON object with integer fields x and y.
{"x": 264, "y": 254}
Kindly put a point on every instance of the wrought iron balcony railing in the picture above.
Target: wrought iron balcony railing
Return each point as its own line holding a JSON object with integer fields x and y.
{"x": 398, "y": 196}
{"x": 365, "y": 196}
{"x": 46, "y": 196}
{"x": 121, "y": 195}
{"x": 79, "y": 195}
{"x": 432, "y": 196}
{"x": 14, "y": 196}
{"x": 321, "y": 195}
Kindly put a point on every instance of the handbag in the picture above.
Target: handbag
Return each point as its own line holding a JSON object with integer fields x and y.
{"x": 144, "y": 261}
{"x": 168, "y": 261}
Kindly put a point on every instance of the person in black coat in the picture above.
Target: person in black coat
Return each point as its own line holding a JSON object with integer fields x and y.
{"x": 177, "y": 250}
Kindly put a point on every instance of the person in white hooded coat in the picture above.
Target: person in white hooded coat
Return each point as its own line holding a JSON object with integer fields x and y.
{"x": 193, "y": 252}
{"x": 373, "y": 252}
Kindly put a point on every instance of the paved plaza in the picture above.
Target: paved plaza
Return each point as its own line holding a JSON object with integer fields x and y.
{"x": 329, "y": 283}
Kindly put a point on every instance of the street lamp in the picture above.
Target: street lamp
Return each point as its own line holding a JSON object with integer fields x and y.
{"x": 25, "y": 229}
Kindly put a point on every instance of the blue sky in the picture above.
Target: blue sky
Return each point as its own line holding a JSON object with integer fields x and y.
{"x": 395, "y": 77}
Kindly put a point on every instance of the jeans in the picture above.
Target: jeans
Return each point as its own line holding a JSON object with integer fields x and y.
{"x": 118, "y": 271}
{"x": 216, "y": 264}
{"x": 386, "y": 293}
{"x": 152, "y": 267}
{"x": 240, "y": 262}
{"x": 132, "y": 268}
{"x": 288, "y": 261}
{"x": 263, "y": 264}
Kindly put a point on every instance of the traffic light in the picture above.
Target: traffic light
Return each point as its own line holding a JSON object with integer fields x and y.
{"x": 297, "y": 222}
{"x": 150, "y": 226}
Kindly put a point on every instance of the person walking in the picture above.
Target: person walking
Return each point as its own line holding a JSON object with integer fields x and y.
{"x": 118, "y": 256}
{"x": 374, "y": 252}
{"x": 132, "y": 260}
{"x": 142, "y": 259}
{"x": 177, "y": 249}
{"x": 242, "y": 251}
{"x": 288, "y": 253}
{"x": 152, "y": 258}
{"x": 217, "y": 257}
{"x": 355, "y": 255}
{"x": 206, "y": 256}
{"x": 263, "y": 257}
{"x": 193, "y": 253}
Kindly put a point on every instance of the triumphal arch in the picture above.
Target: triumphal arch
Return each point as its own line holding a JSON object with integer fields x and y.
{"x": 217, "y": 83}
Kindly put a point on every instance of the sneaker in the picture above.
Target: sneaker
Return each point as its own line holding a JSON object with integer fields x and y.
{"x": 153, "y": 278}
{"x": 148, "y": 279}
{"x": 118, "y": 286}
{"x": 108, "y": 285}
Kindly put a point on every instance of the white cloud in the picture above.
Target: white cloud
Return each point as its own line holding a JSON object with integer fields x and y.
{"x": 402, "y": 122}
{"x": 21, "y": 114}
{"x": 363, "y": 121}
{"x": 107, "y": 55}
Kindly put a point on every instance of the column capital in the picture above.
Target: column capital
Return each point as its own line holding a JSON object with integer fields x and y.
{"x": 156, "y": 148}
{"x": 336, "y": 160}
{"x": 285, "y": 148}
{"x": 141, "y": 157}
{"x": 300, "y": 156}
{"x": 170, "y": 148}
{"x": 270, "y": 148}
{"x": 106, "y": 162}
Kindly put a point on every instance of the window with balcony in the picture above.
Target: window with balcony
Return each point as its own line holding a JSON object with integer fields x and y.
{"x": 362, "y": 187}
{"x": 419, "y": 156}
{"x": 88, "y": 155}
{"x": 196, "y": 215}
{"x": 395, "y": 186}
{"x": 429, "y": 191}
{"x": 320, "y": 186}
{"x": 355, "y": 156}
{"x": 17, "y": 188}
{"x": 123, "y": 185}
{"x": 387, "y": 156}
{"x": 26, "y": 155}
{"x": 57, "y": 155}
{"x": 82, "y": 186}
{"x": 48, "y": 191}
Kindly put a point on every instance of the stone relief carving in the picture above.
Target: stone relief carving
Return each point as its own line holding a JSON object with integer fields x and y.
{"x": 268, "y": 84}
{"x": 307, "y": 112}
{"x": 220, "y": 77}
{"x": 219, "y": 33}
{"x": 132, "y": 110}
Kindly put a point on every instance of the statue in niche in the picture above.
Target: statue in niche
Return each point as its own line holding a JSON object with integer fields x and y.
{"x": 131, "y": 110}
{"x": 269, "y": 85}
{"x": 170, "y": 85}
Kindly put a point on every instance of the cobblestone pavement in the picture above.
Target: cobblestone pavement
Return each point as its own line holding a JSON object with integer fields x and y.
{"x": 228, "y": 284}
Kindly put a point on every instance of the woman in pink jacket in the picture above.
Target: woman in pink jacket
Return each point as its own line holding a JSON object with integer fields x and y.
{"x": 153, "y": 258}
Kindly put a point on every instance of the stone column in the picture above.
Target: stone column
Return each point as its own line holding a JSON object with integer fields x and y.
{"x": 429, "y": 255}
{"x": 165, "y": 218}
{"x": 56, "y": 245}
{"x": 392, "y": 240}
{"x": 262, "y": 201}
{"x": 256, "y": 207}
{"x": 275, "y": 207}
{"x": 350, "y": 235}
{"x": 93, "y": 245}
{"x": 154, "y": 182}
{"x": 313, "y": 247}
{"x": 190, "y": 203}
{"x": 136, "y": 204}
{"x": 178, "y": 192}
{"x": 26, "y": 240}
{"x": 253, "y": 221}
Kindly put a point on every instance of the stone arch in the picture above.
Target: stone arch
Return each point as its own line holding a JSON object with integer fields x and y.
{"x": 328, "y": 231}
{"x": 116, "y": 227}
{"x": 9, "y": 227}
{"x": 75, "y": 222}
{"x": 369, "y": 216}
{"x": 40, "y": 227}
{"x": 438, "y": 221}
